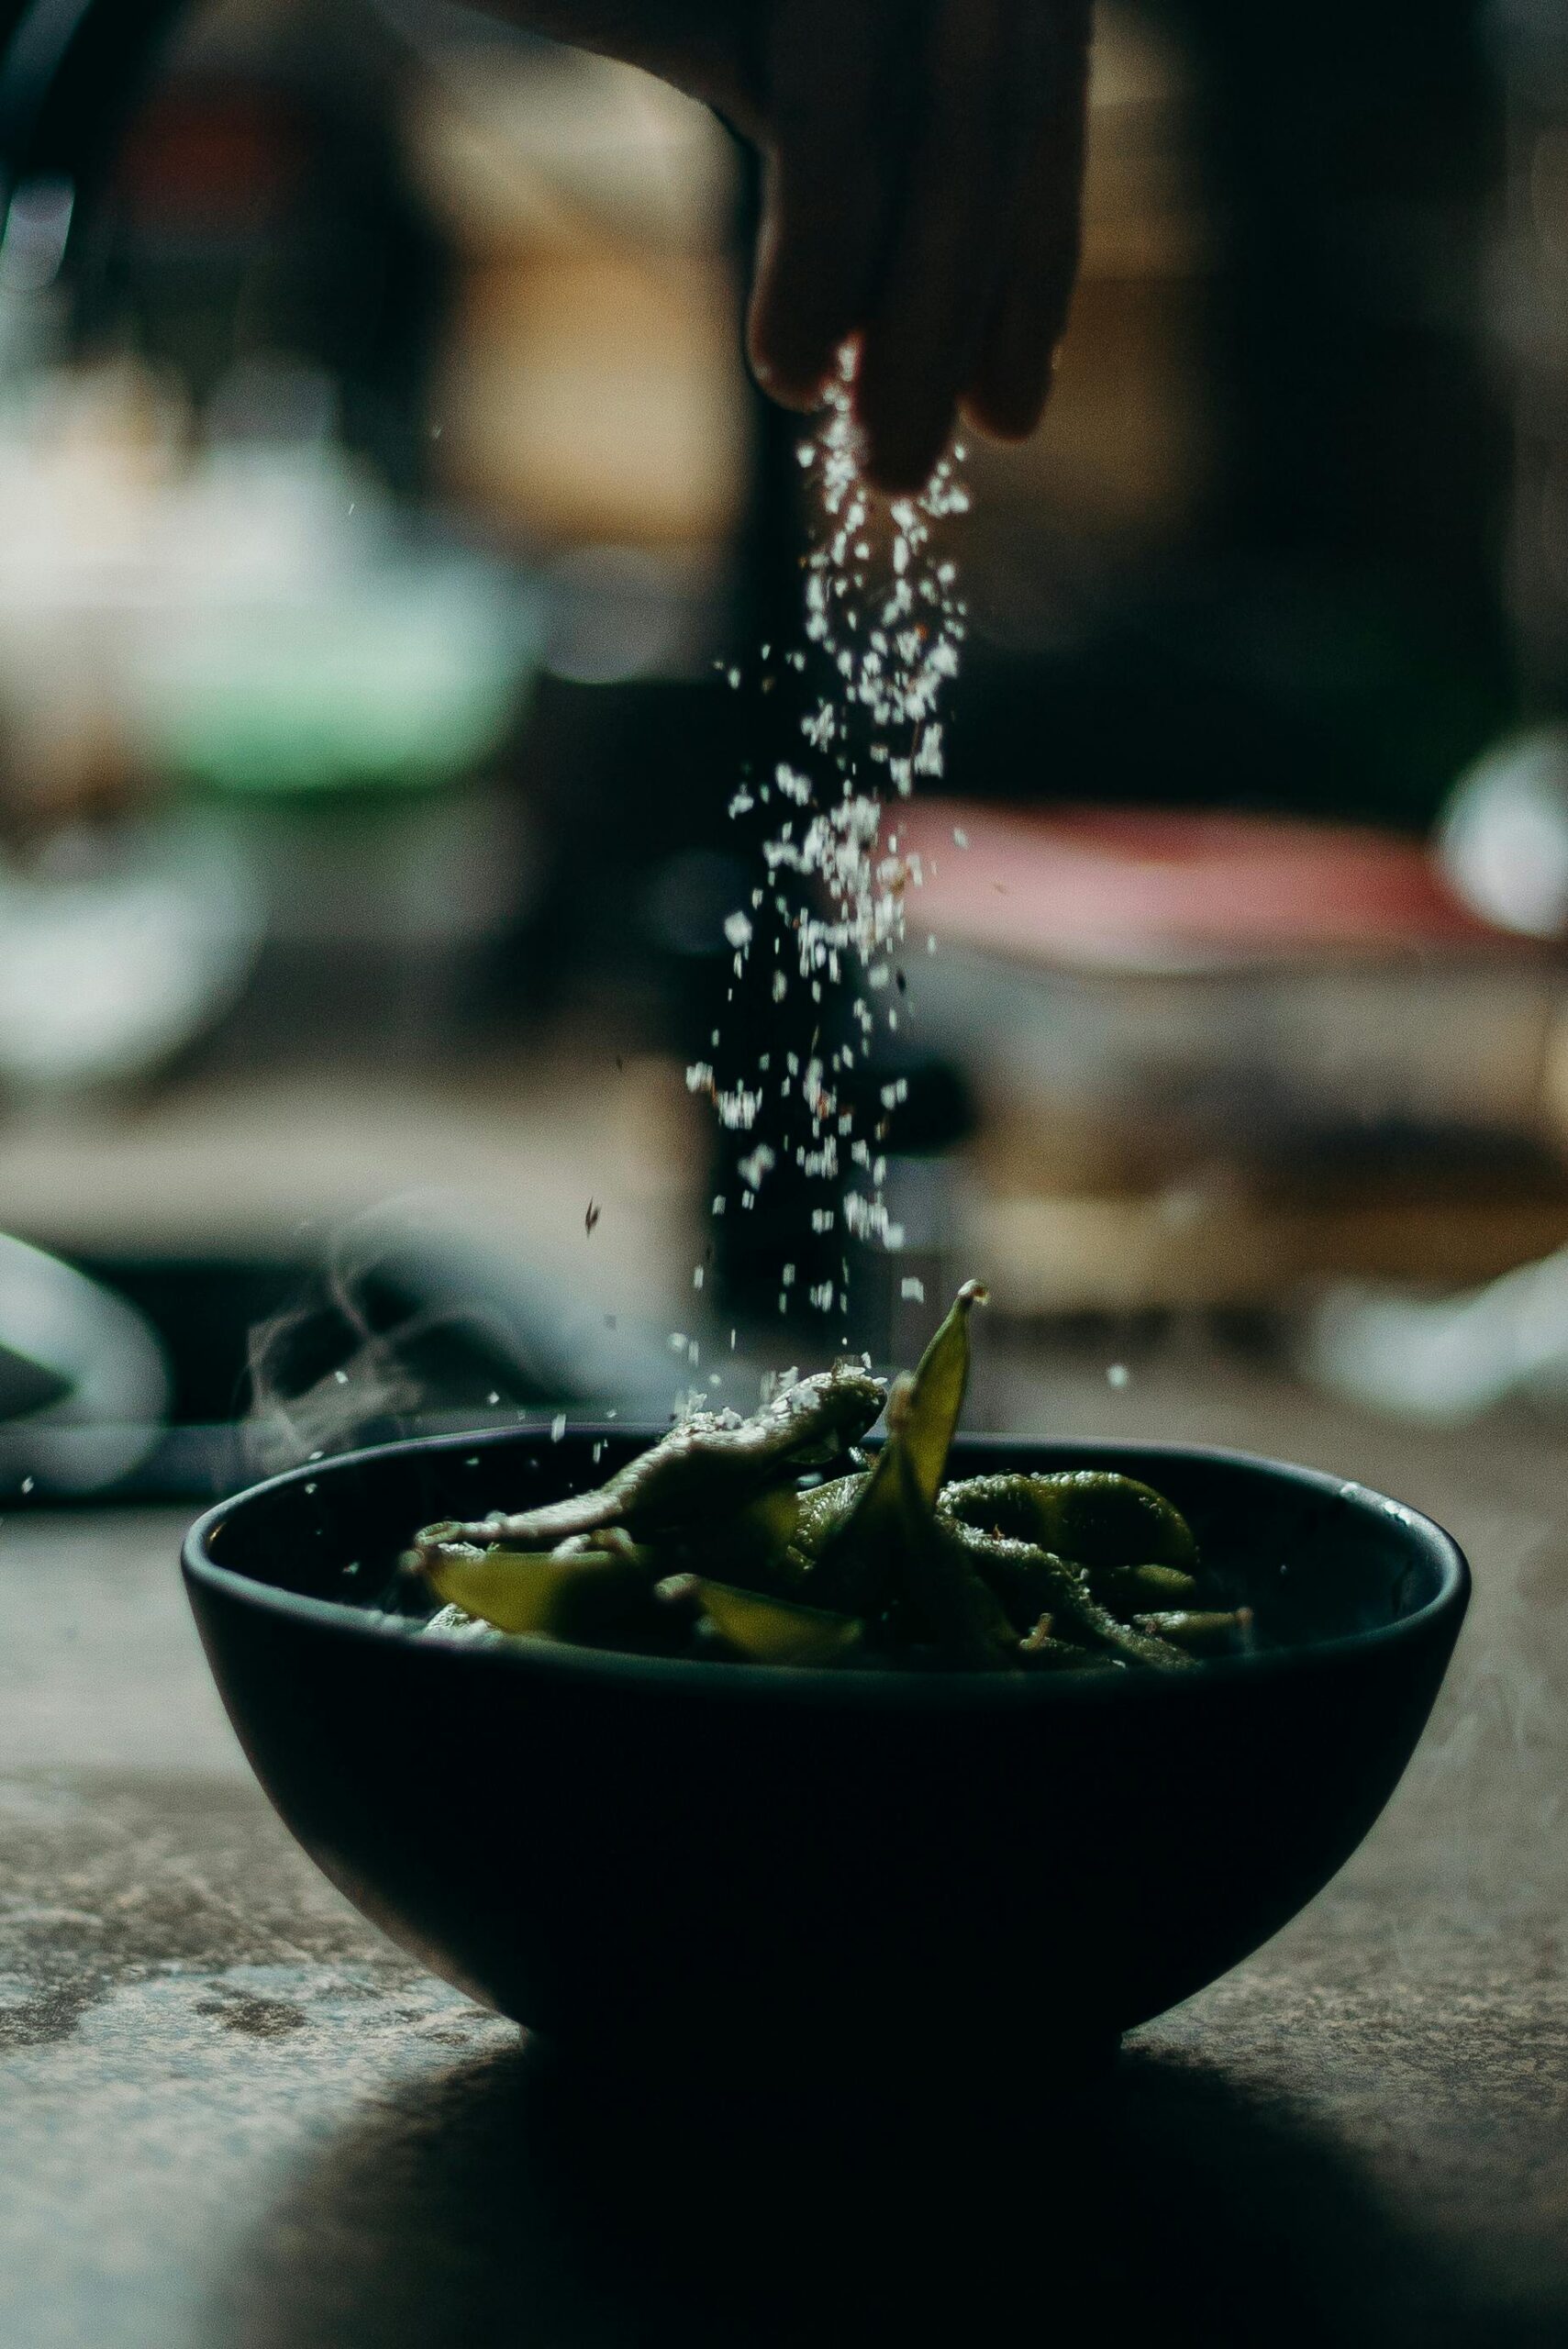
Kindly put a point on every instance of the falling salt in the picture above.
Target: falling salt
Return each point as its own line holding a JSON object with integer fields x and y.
{"x": 558, "y": 1427}
{"x": 883, "y": 624}
{"x": 1118, "y": 1375}
{"x": 911, "y": 1290}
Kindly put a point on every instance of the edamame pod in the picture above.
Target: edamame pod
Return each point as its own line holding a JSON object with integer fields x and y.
{"x": 1199, "y": 1633}
{"x": 1091, "y": 1516}
{"x": 944, "y": 1583}
{"x": 776, "y": 1630}
{"x": 713, "y": 1461}
{"x": 858, "y": 1564}
{"x": 1127, "y": 1588}
{"x": 584, "y": 1596}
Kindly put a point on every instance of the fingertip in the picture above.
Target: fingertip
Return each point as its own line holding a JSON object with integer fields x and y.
{"x": 902, "y": 439}
{"x": 900, "y": 469}
{"x": 1007, "y": 400}
{"x": 792, "y": 380}
{"x": 1011, "y": 417}
{"x": 799, "y": 397}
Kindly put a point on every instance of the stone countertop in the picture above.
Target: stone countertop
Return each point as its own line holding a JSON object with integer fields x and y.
{"x": 230, "y": 2113}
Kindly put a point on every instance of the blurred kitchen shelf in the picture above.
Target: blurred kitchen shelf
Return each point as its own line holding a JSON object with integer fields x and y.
{"x": 516, "y": 1151}
{"x": 1177, "y": 1248}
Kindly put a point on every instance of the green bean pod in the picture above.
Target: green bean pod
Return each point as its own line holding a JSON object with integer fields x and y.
{"x": 1033, "y": 1582}
{"x": 774, "y": 1630}
{"x": 821, "y": 1512}
{"x": 755, "y": 1546}
{"x": 1200, "y": 1633}
{"x": 1128, "y": 1588}
{"x": 944, "y": 1585}
{"x": 858, "y": 1566}
{"x": 1095, "y": 1518}
{"x": 1047, "y": 1653}
{"x": 588, "y": 1596}
{"x": 935, "y": 1399}
{"x": 712, "y": 1461}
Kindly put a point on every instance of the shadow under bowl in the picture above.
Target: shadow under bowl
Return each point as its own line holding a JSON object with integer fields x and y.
{"x": 792, "y": 1871}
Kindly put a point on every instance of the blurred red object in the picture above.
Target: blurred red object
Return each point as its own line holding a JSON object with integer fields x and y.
{"x": 1152, "y": 889}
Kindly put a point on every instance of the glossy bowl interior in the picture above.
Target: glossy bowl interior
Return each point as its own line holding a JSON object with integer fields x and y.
{"x": 827, "y": 1869}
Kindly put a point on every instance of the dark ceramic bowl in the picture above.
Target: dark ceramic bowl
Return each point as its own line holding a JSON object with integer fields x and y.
{"x": 786, "y": 1868}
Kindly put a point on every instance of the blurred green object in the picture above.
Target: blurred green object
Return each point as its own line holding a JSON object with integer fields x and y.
{"x": 391, "y": 679}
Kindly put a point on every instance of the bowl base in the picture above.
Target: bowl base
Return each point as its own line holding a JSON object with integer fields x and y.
{"x": 934, "y": 2084}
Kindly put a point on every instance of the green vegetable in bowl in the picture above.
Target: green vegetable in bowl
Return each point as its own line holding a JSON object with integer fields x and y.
{"x": 722, "y": 1540}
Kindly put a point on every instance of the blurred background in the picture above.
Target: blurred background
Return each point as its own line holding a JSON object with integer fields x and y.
{"x": 383, "y": 507}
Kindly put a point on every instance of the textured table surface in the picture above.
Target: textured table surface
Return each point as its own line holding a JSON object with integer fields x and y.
{"x": 231, "y": 2114}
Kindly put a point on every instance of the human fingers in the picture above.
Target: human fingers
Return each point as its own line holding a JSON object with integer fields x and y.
{"x": 827, "y": 65}
{"x": 1010, "y": 383}
{"x": 939, "y": 278}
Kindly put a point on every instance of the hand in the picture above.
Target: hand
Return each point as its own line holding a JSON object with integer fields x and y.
{"x": 924, "y": 170}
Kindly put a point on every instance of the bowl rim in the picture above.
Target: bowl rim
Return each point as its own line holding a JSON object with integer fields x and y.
{"x": 772, "y": 1683}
